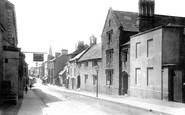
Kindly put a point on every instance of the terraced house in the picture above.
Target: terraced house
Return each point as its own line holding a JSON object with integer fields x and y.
{"x": 90, "y": 68}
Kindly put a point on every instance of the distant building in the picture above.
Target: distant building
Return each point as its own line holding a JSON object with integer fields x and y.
{"x": 74, "y": 80}
{"x": 58, "y": 64}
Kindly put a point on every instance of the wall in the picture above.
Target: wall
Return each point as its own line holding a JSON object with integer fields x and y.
{"x": 1, "y": 64}
{"x": 59, "y": 65}
{"x": 114, "y": 88}
{"x": 90, "y": 71}
{"x": 153, "y": 88}
{"x": 171, "y": 45}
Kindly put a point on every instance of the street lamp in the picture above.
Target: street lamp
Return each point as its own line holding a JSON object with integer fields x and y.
{"x": 97, "y": 69}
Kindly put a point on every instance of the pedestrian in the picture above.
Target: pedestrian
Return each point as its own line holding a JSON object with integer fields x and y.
{"x": 26, "y": 89}
{"x": 30, "y": 86}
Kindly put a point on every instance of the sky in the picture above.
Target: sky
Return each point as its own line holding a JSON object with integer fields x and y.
{"x": 62, "y": 23}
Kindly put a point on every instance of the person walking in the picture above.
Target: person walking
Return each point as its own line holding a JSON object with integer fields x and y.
{"x": 26, "y": 89}
{"x": 30, "y": 86}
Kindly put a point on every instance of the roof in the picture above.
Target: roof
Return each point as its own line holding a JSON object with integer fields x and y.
{"x": 62, "y": 72}
{"x": 127, "y": 20}
{"x": 78, "y": 56}
{"x": 95, "y": 52}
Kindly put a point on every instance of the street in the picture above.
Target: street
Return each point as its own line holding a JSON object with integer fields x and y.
{"x": 55, "y": 102}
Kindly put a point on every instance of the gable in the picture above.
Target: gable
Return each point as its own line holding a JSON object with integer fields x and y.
{"x": 110, "y": 16}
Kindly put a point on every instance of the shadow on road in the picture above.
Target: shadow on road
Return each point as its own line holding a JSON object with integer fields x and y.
{"x": 46, "y": 98}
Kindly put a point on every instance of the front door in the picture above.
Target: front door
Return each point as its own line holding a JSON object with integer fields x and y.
{"x": 123, "y": 83}
{"x": 78, "y": 81}
{"x": 177, "y": 83}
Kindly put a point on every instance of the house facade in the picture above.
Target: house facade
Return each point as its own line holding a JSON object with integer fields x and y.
{"x": 157, "y": 63}
{"x": 118, "y": 27}
{"x": 90, "y": 69}
{"x": 73, "y": 71}
{"x": 58, "y": 64}
{"x": 13, "y": 63}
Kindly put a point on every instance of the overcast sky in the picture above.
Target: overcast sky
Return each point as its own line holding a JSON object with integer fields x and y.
{"x": 62, "y": 23}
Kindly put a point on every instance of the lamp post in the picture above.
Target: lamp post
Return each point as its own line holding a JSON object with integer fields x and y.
{"x": 97, "y": 69}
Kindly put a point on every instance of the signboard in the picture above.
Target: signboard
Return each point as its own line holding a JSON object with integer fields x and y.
{"x": 38, "y": 57}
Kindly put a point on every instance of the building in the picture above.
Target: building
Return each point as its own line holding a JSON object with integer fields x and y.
{"x": 157, "y": 63}
{"x": 118, "y": 28}
{"x": 74, "y": 80}
{"x": 49, "y": 67}
{"x": 57, "y": 65}
{"x": 13, "y": 64}
{"x": 90, "y": 69}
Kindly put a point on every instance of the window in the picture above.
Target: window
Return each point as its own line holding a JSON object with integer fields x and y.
{"x": 124, "y": 55}
{"x": 74, "y": 71}
{"x": 70, "y": 71}
{"x": 149, "y": 47}
{"x": 86, "y": 78}
{"x": 109, "y": 23}
{"x": 6, "y": 60}
{"x": 94, "y": 63}
{"x": 137, "y": 75}
{"x": 109, "y": 36}
{"x": 149, "y": 76}
{"x": 138, "y": 49}
{"x": 79, "y": 64}
{"x": 109, "y": 56}
{"x": 94, "y": 79}
{"x": 86, "y": 64}
{"x": 109, "y": 76}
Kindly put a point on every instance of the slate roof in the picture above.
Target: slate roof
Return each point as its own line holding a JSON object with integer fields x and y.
{"x": 94, "y": 52}
{"x": 128, "y": 20}
{"x": 79, "y": 55}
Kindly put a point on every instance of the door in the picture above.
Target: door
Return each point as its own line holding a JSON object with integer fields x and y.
{"x": 177, "y": 86}
{"x": 124, "y": 83}
{"x": 78, "y": 81}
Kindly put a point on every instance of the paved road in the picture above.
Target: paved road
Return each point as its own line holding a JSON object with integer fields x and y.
{"x": 57, "y": 102}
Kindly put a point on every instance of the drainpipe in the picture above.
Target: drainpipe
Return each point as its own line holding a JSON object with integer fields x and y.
{"x": 162, "y": 84}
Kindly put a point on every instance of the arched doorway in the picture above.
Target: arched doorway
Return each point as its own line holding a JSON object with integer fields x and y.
{"x": 123, "y": 83}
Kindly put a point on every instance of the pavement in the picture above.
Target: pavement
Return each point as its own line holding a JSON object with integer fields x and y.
{"x": 32, "y": 105}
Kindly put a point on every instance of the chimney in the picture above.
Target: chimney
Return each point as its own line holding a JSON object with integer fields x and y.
{"x": 92, "y": 40}
{"x": 64, "y": 51}
{"x": 146, "y": 15}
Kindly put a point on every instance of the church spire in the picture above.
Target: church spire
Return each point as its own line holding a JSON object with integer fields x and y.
{"x": 50, "y": 51}
{"x": 50, "y": 54}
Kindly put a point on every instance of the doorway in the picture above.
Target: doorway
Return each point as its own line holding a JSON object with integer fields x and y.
{"x": 176, "y": 85}
{"x": 78, "y": 81}
{"x": 123, "y": 83}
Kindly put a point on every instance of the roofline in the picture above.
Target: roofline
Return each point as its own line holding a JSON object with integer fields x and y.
{"x": 156, "y": 28}
{"x": 81, "y": 55}
{"x": 90, "y": 59}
